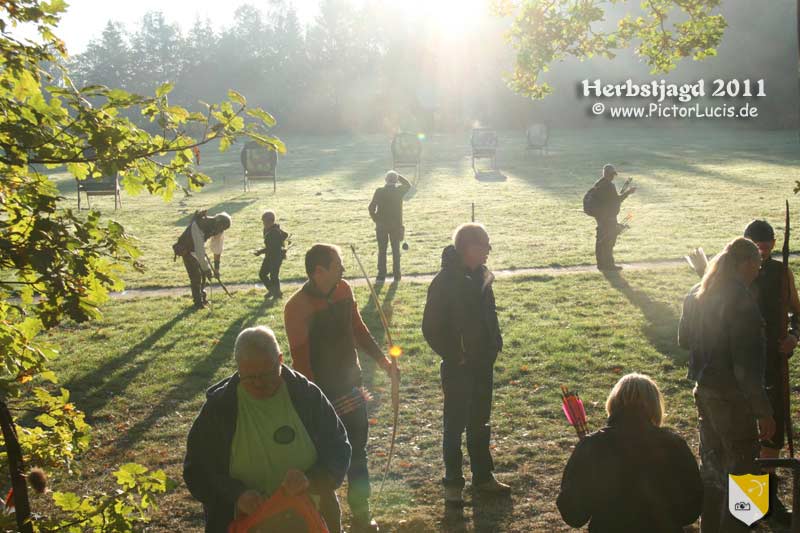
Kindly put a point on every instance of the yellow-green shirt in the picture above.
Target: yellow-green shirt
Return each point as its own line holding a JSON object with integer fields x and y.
{"x": 270, "y": 439}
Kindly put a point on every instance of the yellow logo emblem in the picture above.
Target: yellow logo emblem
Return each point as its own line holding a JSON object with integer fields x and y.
{"x": 748, "y": 497}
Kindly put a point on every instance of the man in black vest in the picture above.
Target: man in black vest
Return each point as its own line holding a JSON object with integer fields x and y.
{"x": 767, "y": 289}
{"x": 608, "y": 203}
{"x": 386, "y": 210}
{"x": 191, "y": 248}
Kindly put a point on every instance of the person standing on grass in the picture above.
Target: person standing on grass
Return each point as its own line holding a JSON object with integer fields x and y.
{"x": 274, "y": 254}
{"x": 632, "y": 475}
{"x": 460, "y": 324}
{"x": 191, "y": 248}
{"x": 722, "y": 328}
{"x": 767, "y": 289}
{"x": 264, "y": 428}
{"x": 386, "y": 210}
{"x": 603, "y": 202}
{"x": 325, "y": 328}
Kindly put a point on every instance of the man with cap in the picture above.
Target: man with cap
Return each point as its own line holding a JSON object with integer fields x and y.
{"x": 191, "y": 248}
{"x": 767, "y": 289}
{"x": 386, "y": 210}
{"x": 607, "y": 202}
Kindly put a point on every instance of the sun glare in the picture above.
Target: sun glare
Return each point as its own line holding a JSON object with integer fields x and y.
{"x": 451, "y": 18}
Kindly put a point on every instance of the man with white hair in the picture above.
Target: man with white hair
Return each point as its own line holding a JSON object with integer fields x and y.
{"x": 386, "y": 210}
{"x": 460, "y": 324}
{"x": 264, "y": 428}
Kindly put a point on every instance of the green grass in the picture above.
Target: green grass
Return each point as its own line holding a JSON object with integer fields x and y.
{"x": 140, "y": 373}
{"x": 697, "y": 187}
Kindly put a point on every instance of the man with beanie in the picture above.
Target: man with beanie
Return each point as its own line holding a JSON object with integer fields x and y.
{"x": 607, "y": 201}
{"x": 191, "y": 248}
{"x": 460, "y": 324}
{"x": 386, "y": 210}
{"x": 767, "y": 289}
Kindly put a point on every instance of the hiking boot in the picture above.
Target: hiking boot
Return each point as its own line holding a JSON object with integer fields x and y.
{"x": 493, "y": 487}
{"x": 453, "y": 496}
{"x": 364, "y": 525}
{"x": 397, "y": 277}
{"x": 380, "y": 278}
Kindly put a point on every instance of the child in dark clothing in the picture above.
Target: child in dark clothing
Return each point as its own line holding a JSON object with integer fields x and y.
{"x": 274, "y": 239}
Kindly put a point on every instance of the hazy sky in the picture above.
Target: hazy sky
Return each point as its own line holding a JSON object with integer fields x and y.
{"x": 85, "y": 19}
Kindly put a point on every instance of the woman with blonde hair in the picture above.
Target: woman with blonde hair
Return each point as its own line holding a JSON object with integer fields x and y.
{"x": 722, "y": 328}
{"x": 632, "y": 475}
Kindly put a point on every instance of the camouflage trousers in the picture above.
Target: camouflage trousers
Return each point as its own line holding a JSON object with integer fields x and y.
{"x": 728, "y": 445}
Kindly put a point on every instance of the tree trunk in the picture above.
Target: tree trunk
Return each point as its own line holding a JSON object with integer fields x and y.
{"x": 17, "y": 468}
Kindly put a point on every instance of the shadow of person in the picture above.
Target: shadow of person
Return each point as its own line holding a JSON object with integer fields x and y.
{"x": 661, "y": 328}
{"x": 491, "y": 513}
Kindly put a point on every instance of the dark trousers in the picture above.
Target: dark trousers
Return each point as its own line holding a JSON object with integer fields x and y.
{"x": 196, "y": 280}
{"x": 605, "y": 239}
{"x": 384, "y": 235}
{"x": 467, "y": 406}
{"x": 330, "y": 511}
{"x": 728, "y": 445}
{"x": 358, "y": 489}
{"x": 269, "y": 275}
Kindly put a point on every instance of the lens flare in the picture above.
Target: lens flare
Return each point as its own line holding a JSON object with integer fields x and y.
{"x": 395, "y": 351}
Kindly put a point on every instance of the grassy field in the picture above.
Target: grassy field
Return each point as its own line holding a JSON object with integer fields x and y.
{"x": 141, "y": 371}
{"x": 696, "y": 187}
{"x": 140, "y": 376}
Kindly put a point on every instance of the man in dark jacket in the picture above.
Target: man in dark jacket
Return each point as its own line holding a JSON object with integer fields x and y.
{"x": 460, "y": 324}
{"x": 263, "y": 428}
{"x": 386, "y": 210}
{"x": 769, "y": 290}
{"x": 190, "y": 246}
{"x": 607, "y": 204}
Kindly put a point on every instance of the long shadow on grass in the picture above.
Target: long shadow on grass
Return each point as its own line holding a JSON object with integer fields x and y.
{"x": 97, "y": 388}
{"x": 373, "y": 321}
{"x": 197, "y": 379}
{"x": 662, "y": 323}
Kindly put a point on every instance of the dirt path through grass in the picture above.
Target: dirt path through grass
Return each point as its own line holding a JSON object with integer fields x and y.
{"x": 291, "y": 285}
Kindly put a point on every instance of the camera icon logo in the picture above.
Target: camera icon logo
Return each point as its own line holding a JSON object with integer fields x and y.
{"x": 742, "y": 506}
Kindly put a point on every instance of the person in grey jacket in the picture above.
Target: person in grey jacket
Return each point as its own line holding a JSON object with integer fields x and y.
{"x": 722, "y": 328}
{"x": 386, "y": 210}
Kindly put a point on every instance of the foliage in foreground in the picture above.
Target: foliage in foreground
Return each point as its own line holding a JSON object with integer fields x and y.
{"x": 57, "y": 264}
{"x": 664, "y": 32}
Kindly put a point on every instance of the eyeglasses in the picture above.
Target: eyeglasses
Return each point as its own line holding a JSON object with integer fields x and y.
{"x": 261, "y": 377}
{"x": 257, "y": 378}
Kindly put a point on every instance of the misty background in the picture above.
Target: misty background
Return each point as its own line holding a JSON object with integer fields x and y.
{"x": 370, "y": 67}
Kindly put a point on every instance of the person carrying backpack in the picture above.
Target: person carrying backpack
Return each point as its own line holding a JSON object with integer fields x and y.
{"x": 603, "y": 203}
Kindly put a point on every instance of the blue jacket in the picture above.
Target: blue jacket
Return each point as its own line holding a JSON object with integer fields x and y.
{"x": 208, "y": 448}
